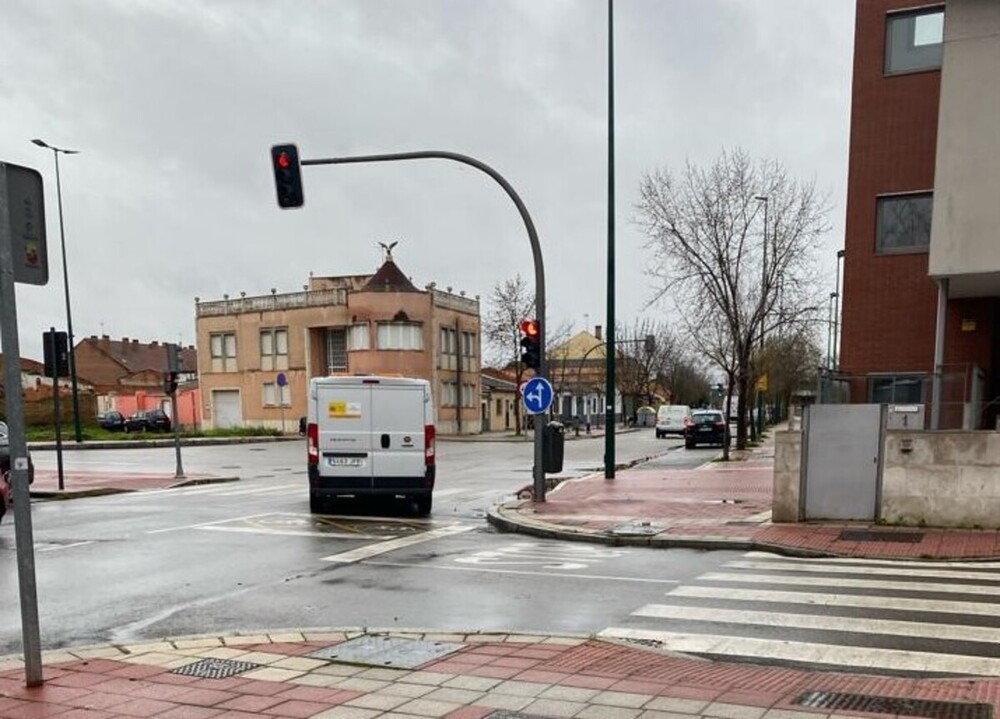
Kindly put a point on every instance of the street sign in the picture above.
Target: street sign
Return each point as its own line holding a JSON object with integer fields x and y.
{"x": 26, "y": 208}
{"x": 762, "y": 383}
{"x": 538, "y": 395}
{"x": 282, "y": 379}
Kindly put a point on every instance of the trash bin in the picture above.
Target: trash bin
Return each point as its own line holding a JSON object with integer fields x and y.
{"x": 553, "y": 438}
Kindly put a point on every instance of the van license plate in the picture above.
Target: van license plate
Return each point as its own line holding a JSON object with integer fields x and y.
{"x": 344, "y": 461}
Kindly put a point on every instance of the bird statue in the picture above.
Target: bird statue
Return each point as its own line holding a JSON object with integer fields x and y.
{"x": 388, "y": 249}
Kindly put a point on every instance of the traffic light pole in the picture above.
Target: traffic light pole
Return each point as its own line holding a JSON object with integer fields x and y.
{"x": 538, "y": 472}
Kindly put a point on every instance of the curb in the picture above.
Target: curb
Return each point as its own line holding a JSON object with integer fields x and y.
{"x": 147, "y": 443}
{"x": 55, "y": 494}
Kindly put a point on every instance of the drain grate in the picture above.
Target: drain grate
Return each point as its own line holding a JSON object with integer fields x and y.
{"x": 215, "y": 668}
{"x": 867, "y": 535}
{"x": 385, "y": 651}
{"x": 895, "y": 705}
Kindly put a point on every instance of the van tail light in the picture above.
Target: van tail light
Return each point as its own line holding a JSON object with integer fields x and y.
{"x": 312, "y": 439}
{"x": 429, "y": 433}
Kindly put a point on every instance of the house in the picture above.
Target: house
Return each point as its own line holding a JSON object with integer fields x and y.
{"x": 258, "y": 353}
{"x": 498, "y": 400}
{"x": 577, "y": 370}
{"x": 921, "y": 294}
{"x": 127, "y": 365}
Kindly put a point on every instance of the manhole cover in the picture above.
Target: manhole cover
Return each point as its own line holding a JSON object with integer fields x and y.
{"x": 387, "y": 651}
{"x": 867, "y": 535}
{"x": 641, "y": 529}
{"x": 215, "y": 668}
{"x": 895, "y": 705}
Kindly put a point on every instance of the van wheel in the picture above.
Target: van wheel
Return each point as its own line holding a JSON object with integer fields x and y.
{"x": 689, "y": 445}
{"x": 424, "y": 505}
{"x": 316, "y": 504}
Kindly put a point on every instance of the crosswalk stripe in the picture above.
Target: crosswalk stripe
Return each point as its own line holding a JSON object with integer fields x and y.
{"x": 844, "y": 600}
{"x": 874, "y": 562}
{"x": 805, "y": 652}
{"x": 950, "y": 588}
{"x": 856, "y": 625}
{"x": 841, "y": 569}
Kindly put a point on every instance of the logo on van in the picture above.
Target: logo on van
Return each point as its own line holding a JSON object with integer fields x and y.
{"x": 344, "y": 410}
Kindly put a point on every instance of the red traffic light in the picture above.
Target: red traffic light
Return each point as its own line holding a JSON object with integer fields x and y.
{"x": 283, "y": 161}
{"x": 530, "y": 328}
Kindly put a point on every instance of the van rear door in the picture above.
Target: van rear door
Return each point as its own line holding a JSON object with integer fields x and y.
{"x": 398, "y": 420}
{"x": 344, "y": 419}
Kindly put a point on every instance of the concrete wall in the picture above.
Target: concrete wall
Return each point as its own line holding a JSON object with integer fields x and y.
{"x": 787, "y": 476}
{"x": 942, "y": 479}
{"x": 967, "y": 182}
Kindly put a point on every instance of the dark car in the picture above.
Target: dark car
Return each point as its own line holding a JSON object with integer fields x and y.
{"x": 5, "y": 488}
{"x": 113, "y": 421}
{"x": 151, "y": 420}
{"x": 706, "y": 426}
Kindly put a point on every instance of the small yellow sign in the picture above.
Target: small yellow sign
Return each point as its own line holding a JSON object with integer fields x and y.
{"x": 762, "y": 383}
{"x": 338, "y": 409}
{"x": 968, "y": 325}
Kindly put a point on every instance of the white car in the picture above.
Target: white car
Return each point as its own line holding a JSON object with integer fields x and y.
{"x": 671, "y": 419}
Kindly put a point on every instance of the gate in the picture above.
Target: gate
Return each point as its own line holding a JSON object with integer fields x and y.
{"x": 842, "y": 467}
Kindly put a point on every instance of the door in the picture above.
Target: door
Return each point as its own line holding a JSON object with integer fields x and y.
{"x": 226, "y": 408}
{"x": 842, "y": 469}
{"x": 344, "y": 423}
{"x": 397, "y": 431}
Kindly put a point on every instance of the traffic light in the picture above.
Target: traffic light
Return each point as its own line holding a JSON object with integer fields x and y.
{"x": 287, "y": 175}
{"x": 169, "y": 382}
{"x": 531, "y": 344}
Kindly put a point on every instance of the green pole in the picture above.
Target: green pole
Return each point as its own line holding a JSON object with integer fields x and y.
{"x": 609, "y": 389}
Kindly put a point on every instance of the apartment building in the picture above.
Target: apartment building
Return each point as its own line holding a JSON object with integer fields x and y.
{"x": 921, "y": 294}
{"x": 258, "y": 353}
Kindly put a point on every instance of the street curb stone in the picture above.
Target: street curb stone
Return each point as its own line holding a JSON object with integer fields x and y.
{"x": 66, "y": 494}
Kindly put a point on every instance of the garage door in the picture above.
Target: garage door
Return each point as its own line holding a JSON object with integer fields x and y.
{"x": 226, "y": 408}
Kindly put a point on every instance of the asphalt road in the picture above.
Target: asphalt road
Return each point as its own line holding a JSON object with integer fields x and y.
{"x": 249, "y": 556}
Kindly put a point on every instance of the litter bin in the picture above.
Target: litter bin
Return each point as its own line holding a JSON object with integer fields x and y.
{"x": 553, "y": 438}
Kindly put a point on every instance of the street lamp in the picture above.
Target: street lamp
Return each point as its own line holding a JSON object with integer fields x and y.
{"x": 763, "y": 313}
{"x": 69, "y": 314}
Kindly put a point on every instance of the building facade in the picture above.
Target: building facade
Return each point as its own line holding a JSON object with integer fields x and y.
{"x": 344, "y": 325}
{"x": 921, "y": 294}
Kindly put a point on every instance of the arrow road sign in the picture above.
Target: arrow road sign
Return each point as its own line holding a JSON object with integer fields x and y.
{"x": 537, "y": 395}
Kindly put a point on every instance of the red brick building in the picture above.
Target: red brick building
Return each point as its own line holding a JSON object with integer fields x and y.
{"x": 921, "y": 295}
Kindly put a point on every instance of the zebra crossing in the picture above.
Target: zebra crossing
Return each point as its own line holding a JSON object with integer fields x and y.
{"x": 921, "y": 618}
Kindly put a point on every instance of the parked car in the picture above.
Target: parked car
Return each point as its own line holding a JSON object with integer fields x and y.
{"x": 706, "y": 426}
{"x": 671, "y": 419}
{"x": 150, "y": 420}
{"x": 5, "y": 488}
{"x": 112, "y": 421}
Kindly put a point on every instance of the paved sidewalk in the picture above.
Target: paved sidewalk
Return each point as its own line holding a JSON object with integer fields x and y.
{"x": 720, "y": 506}
{"x": 79, "y": 483}
{"x": 470, "y": 676}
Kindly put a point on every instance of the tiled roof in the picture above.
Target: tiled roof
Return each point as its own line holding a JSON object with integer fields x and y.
{"x": 389, "y": 278}
{"x": 137, "y": 356}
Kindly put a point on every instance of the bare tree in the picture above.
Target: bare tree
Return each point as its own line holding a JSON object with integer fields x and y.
{"x": 647, "y": 353}
{"x": 706, "y": 234}
{"x": 510, "y": 302}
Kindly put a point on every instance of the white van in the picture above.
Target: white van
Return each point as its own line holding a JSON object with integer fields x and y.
{"x": 671, "y": 418}
{"x": 370, "y": 436}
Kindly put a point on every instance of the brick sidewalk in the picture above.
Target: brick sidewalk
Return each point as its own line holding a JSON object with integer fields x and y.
{"x": 483, "y": 675}
{"x": 718, "y": 506}
{"x": 83, "y": 483}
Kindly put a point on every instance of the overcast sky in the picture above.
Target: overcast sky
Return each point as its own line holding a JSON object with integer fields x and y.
{"x": 175, "y": 103}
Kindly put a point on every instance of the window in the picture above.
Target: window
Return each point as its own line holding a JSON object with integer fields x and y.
{"x": 469, "y": 351}
{"x": 358, "y": 338}
{"x": 904, "y": 223}
{"x": 897, "y": 389}
{"x": 336, "y": 350}
{"x": 449, "y": 394}
{"x": 223, "y": 350}
{"x": 449, "y": 349}
{"x": 400, "y": 336}
{"x": 270, "y": 395}
{"x": 499, "y": 406}
{"x": 468, "y": 395}
{"x": 914, "y": 40}
{"x": 274, "y": 349}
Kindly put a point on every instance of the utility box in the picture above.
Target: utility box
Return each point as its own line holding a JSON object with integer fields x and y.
{"x": 905, "y": 416}
{"x": 553, "y": 440}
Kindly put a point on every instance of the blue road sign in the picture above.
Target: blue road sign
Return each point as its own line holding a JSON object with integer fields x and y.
{"x": 282, "y": 379}
{"x": 538, "y": 395}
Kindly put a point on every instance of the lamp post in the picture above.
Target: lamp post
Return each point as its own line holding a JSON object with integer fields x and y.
{"x": 78, "y": 435}
{"x": 763, "y": 313}
{"x": 836, "y": 317}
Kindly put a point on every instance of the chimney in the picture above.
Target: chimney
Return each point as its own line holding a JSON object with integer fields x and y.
{"x": 154, "y": 343}
{"x": 597, "y": 332}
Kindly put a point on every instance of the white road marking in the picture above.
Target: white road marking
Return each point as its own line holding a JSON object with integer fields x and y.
{"x": 858, "y": 625}
{"x": 373, "y": 550}
{"x": 826, "y": 654}
{"x": 204, "y": 524}
{"x": 876, "y": 562}
{"x": 598, "y": 577}
{"x": 854, "y": 583}
{"x": 844, "y": 600}
{"x": 904, "y": 571}
{"x": 66, "y": 546}
{"x": 292, "y": 532}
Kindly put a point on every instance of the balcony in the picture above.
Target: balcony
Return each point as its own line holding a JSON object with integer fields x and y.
{"x": 271, "y": 302}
